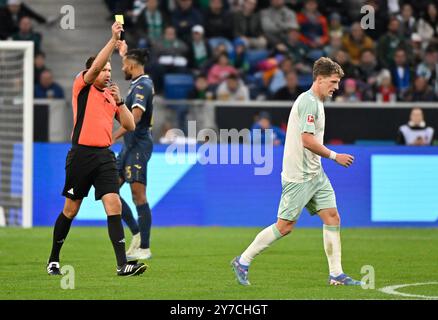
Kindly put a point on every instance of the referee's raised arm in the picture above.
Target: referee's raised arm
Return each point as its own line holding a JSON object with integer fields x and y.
{"x": 104, "y": 55}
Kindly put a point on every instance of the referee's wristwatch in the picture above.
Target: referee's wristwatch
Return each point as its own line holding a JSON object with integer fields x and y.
{"x": 122, "y": 102}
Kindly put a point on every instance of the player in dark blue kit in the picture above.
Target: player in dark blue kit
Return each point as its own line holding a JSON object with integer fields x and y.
{"x": 137, "y": 149}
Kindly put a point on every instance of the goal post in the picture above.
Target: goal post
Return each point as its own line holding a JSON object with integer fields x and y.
{"x": 16, "y": 132}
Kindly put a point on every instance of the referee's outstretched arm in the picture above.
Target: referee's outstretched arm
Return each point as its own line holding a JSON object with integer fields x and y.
{"x": 104, "y": 55}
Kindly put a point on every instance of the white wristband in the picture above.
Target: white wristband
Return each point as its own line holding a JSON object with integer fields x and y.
{"x": 332, "y": 155}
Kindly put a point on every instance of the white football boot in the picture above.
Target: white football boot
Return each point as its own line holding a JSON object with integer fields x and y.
{"x": 135, "y": 244}
{"x": 141, "y": 254}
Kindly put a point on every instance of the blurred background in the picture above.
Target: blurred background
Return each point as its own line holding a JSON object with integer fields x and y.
{"x": 241, "y": 64}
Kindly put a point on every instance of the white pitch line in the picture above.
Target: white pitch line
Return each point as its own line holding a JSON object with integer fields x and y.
{"x": 393, "y": 290}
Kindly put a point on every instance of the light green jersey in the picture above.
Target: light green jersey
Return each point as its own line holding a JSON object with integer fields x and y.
{"x": 307, "y": 115}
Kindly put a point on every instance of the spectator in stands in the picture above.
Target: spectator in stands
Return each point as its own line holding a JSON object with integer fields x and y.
{"x": 429, "y": 67}
{"x": 39, "y": 66}
{"x": 113, "y": 6}
{"x": 47, "y": 88}
{"x": 259, "y": 135}
{"x": 218, "y": 21}
{"x": 368, "y": 67}
{"x": 314, "y": 29}
{"x": 276, "y": 21}
{"x": 221, "y": 70}
{"x": 167, "y": 56}
{"x": 131, "y": 11}
{"x": 417, "y": 48}
{"x": 232, "y": 89}
{"x": 278, "y": 79}
{"x": 216, "y": 52}
{"x": 184, "y": 17}
{"x": 386, "y": 92}
{"x": 247, "y": 24}
{"x": 171, "y": 51}
{"x": 401, "y": 72}
{"x": 290, "y": 91}
{"x": 239, "y": 57}
{"x": 350, "y": 71}
{"x": 420, "y": 91}
{"x": 335, "y": 25}
{"x": 368, "y": 73}
{"x": 11, "y": 15}
{"x": 350, "y": 92}
{"x": 199, "y": 50}
{"x": 419, "y": 6}
{"x": 428, "y": 25}
{"x": 380, "y": 18}
{"x": 295, "y": 49}
{"x": 149, "y": 26}
{"x": 26, "y": 33}
{"x": 356, "y": 41}
{"x": 201, "y": 90}
{"x": 407, "y": 20}
{"x": 233, "y": 5}
{"x": 334, "y": 45}
{"x": 390, "y": 42}
{"x": 415, "y": 132}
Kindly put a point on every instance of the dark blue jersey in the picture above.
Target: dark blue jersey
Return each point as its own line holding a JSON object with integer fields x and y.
{"x": 140, "y": 95}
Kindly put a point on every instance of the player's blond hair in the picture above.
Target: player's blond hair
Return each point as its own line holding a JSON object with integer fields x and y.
{"x": 326, "y": 67}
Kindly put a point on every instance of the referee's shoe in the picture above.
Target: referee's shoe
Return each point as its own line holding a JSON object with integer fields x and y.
{"x": 53, "y": 268}
{"x": 131, "y": 268}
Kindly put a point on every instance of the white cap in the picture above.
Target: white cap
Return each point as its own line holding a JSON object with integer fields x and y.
{"x": 416, "y": 37}
{"x": 198, "y": 28}
{"x": 12, "y": 2}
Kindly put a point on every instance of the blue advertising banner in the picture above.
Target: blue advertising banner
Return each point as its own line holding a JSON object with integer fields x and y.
{"x": 386, "y": 186}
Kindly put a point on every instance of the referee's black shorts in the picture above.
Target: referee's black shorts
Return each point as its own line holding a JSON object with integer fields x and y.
{"x": 90, "y": 166}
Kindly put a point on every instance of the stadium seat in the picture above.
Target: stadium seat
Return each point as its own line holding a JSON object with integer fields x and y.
{"x": 255, "y": 56}
{"x": 177, "y": 86}
{"x": 214, "y": 42}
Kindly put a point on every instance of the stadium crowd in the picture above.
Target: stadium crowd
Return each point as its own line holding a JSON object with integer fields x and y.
{"x": 16, "y": 23}
{"x": 240, "y": 50}
{"x": 264, "y": 49}
{"x": 249, "y": 49}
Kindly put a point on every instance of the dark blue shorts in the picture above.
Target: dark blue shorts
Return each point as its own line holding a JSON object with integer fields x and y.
{"x": 132, "y": 162}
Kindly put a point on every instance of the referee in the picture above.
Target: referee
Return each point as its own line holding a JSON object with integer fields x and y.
{"x": 96, "y": 102}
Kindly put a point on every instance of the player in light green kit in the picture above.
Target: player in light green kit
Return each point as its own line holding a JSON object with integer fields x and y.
{"x": 304, "y": 182}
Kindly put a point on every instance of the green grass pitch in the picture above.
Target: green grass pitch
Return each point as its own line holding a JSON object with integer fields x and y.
{"x": 193, "y": 263}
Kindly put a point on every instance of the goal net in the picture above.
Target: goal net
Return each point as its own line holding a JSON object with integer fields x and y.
{"x": 16, "y": 133}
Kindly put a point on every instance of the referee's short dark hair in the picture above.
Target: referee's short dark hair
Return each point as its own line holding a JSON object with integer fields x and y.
{"x": 141, "y": 56}
{"x": 90, "y": 61}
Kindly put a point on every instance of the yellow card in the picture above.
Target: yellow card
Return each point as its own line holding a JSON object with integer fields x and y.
{"x": 119, "y": 18}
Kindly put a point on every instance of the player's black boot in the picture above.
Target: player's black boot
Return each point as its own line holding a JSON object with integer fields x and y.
{"x": 131, "y": 268}
{"x": 53, "y": 268}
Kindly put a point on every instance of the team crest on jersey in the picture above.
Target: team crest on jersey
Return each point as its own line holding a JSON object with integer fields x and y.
{"x": 310, "y": 119}
{"x": 139, "y": 96}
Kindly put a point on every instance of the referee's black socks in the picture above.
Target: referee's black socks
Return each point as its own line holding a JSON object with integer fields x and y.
{"x": 60, "y": 231}
{"x": 117, "y": 236}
